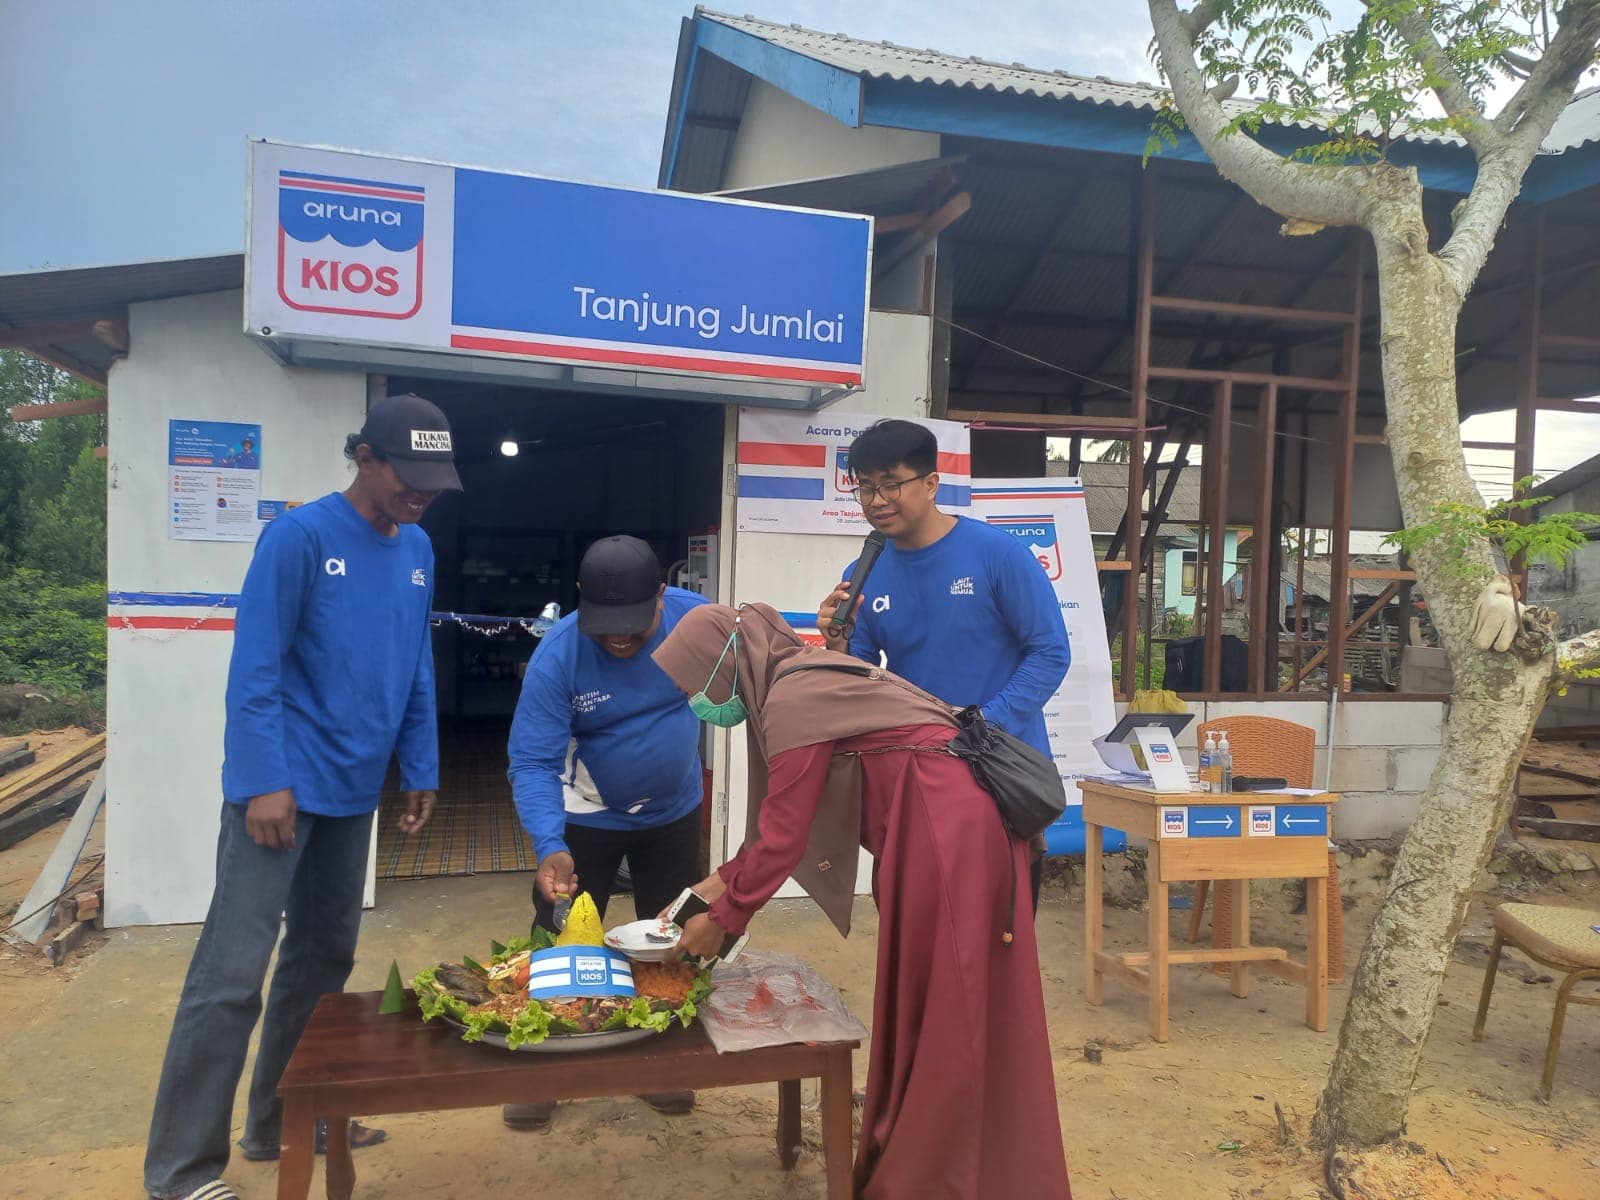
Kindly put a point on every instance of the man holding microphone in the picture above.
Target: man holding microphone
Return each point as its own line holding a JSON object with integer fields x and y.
{"x": 956, "y": 606}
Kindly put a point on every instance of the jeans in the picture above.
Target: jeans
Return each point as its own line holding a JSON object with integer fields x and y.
{"x": 315, "y": 889}
{"x": 663, "y": 860}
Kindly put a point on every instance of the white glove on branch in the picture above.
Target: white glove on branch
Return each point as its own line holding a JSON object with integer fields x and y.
{"x": 1495, "y": 619}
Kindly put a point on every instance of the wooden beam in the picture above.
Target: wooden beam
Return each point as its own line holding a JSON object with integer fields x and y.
{"x": 1553, "y": 404}
{"x": 1261, "y": 550}
{"x": 1043, "y": 420}
{"x": 1372, "y": 439}
{"x": 61, "y": 408}
{"x": 69, "y": 363}
{"x": 101, "y": 452}
{"x": 1488, "y": 445}
{"x": 1345, "y": 466}
{"x": 24, "y": 337}
{"x": 1382, "y": 573}
{"x": 1216, "y": 462}
{"x": 1111, "y": 564}
{"x": 898, "y": 222}
{"x": 948, "y": 213}
{"x": 1295, "y": 383}
{"x": 1265, "y": 312}
{"x": 1145, "y": 276}
{"x": 1356, "y": 626}
{"x": 1575, "y": 341}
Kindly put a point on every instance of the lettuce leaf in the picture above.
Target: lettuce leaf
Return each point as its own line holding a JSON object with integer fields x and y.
{"x": 531, "y": 1026}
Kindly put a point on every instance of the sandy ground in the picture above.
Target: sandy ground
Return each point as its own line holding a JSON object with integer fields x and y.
{"x": 82, "y": 1046}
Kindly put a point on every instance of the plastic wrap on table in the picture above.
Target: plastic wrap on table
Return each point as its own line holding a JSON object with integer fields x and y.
{"x": 766, "y": 999}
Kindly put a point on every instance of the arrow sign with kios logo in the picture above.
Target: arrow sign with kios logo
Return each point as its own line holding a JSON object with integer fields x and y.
{"x": 1302, "y": 820}
{"x": 1214, "y": 820}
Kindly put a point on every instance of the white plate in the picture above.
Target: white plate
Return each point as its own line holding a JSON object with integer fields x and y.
{"x": 566, "y": 1043}
{"x": 630, "y": 939}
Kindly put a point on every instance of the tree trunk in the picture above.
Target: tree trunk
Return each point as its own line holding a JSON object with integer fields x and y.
{"x": 1496, "y": 699}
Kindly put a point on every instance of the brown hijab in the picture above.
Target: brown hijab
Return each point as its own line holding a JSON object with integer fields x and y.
{"x": 791, "y": 703}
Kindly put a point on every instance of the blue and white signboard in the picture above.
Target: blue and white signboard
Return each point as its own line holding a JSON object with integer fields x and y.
{"x": 351, "y": 248}
{"x": 213, "y": 481}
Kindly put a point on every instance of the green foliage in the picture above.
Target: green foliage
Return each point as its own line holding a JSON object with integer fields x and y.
{"x": 1456, "y": 528}
{"x": 52, "y": 542}
{"x": 1359, "y": 88}
{"x": 1155, "y": 677}
{"x": 52, "y": 635}
{"x": 1180, "y": 625}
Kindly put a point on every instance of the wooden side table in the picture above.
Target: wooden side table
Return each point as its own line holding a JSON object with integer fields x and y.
{"x": 352, "y": 1061}
{"x": 1233, "y": 838}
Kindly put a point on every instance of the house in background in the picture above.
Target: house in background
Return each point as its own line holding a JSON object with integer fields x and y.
{"x": 1176, "y": 574}
{"x": 1572, "y": 589}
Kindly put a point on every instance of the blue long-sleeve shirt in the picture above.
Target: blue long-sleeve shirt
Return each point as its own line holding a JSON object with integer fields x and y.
{"x": 971, "y": 619}
{"x": 601, "y": 741}
{"x": 332, "y": 667}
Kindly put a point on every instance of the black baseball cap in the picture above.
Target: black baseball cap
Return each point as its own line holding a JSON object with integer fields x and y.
{"x": 618, "y": 581}
{"x": 413, "y": 436}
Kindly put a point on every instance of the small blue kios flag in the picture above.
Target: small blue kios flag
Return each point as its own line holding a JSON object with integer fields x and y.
{"x": 564, "y": 972}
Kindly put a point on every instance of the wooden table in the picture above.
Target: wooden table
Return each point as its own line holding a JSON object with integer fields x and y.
{"x": 1201, "y": 844}
{"x": 354, "y": 1062}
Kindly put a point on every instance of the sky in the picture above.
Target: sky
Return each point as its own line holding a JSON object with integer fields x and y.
{"x": 123, "y": 126}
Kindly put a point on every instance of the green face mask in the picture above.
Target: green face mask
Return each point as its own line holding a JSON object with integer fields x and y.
{"x": 731, "y": 711}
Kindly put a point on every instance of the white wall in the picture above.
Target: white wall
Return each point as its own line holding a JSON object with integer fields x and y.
{"x": 782, "y": 140}
{"x": 793, "y": 572}
{"x": 188, "y": 359}
{"x": 1383, "y": 753}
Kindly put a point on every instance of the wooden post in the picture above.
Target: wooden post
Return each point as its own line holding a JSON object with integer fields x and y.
{"x": 1344, "y": 466}
{"x": 1141, "y": 381}
{"x": 1261, "y": 557}
{"x": 1216, "y": 538}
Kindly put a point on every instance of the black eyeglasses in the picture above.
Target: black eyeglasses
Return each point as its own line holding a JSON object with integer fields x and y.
{"x": 865, "y": 493}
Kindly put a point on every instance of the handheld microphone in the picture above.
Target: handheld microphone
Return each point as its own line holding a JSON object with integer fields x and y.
{"x": 870, "y": 549}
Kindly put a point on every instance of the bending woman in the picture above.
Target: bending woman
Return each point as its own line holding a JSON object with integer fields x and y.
{"x": 961, "y": 1099}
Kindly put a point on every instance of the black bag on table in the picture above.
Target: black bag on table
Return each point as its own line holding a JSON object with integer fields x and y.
{"x": 1026, "y": 786}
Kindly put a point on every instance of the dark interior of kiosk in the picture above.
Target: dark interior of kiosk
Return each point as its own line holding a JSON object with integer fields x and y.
{"x": 587, "y": 465}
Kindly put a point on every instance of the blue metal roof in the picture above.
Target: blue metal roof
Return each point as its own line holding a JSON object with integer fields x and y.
{"x": 871, "y": 83}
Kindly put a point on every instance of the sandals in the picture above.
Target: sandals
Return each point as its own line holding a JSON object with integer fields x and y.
{"x": 361, "y": 1136}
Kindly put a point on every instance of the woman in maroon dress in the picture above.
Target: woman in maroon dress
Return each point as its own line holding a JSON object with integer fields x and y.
{"x": 961, "y": 1099}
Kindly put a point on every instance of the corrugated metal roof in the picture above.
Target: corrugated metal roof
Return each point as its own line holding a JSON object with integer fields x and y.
{"x": 86, "y": 294}
{"x": 886, "y": 60}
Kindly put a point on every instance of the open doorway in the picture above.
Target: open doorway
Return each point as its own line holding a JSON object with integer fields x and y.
{"x": 545, "y": 474}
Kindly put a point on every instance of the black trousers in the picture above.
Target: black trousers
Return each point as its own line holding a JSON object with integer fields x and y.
{"x": 663, "y": 860}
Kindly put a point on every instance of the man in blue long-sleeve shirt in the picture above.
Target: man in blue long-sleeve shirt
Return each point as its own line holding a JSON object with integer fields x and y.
{"x": 331, "y": 676}
{"x": 956, "y": 606}
{"x": 605, "y": 757}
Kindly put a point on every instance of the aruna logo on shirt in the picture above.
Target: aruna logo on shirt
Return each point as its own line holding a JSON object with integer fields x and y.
{"x": 334, "y": 566}
{"x": 880, "y": 604}
{"x": 419, "y": 577}
{"x": 962, "y": 586}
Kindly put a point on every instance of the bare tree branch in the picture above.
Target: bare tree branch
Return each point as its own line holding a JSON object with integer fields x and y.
{"x": 1524, "y": 124}
{"x": 1565, "y": 57}
{"x": 1458, "y": 103}
{"x": 1578, "y": 654}
{"x": 1201, "y": 17}
{"x": 1324, "y": 195}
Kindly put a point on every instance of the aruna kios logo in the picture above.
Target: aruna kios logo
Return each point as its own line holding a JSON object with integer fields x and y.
{"x": 1039, "y": 535}
{"x": 349, "y": 246}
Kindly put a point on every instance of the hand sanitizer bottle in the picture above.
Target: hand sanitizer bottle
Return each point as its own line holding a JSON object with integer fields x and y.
{"x": 1208, "y": 775}
{"x": 1225, "y": 764}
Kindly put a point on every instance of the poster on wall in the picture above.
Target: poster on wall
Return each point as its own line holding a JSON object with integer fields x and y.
{"x": 214, "y": 481}
{"x": 793, "y": 476}
{"x": 1050, "y": 517}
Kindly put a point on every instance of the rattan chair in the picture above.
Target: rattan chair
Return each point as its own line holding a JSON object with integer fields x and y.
{"x": 1563, "y": 939}
{"x": 1281, "y": 749}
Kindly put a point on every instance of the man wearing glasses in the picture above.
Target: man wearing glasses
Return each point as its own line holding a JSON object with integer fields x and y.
{"x": 955, "y": 605}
